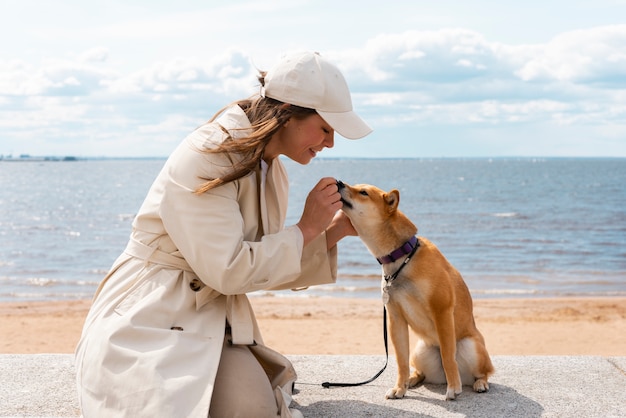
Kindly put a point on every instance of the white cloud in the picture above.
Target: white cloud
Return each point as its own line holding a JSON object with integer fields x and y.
{"x": 590, "y": 55}
{"x": 95, "y": 55}
{"x": 416, "y": 57}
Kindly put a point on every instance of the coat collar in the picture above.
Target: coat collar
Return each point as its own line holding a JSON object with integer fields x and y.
{"x": 273, "y": 197}
{"x": 235, "y": 121}
{"x": 273, "y": 186}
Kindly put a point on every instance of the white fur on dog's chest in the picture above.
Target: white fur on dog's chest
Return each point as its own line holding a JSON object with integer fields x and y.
{"x": 402, "y": 297}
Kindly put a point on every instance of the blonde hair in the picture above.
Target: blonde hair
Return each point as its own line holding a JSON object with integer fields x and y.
{"x": 266, "y": 117}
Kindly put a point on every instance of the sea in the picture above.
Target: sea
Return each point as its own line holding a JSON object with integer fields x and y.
{"x": 513, "y": 227}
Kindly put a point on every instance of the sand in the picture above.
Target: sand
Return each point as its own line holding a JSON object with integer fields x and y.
{"x": 294, "y": 325}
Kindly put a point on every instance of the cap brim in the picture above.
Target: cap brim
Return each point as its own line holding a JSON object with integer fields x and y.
{"x": 347, "y": 124}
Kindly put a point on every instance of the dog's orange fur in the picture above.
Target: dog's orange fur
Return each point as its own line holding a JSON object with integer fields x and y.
{"x": 429, "y": 296}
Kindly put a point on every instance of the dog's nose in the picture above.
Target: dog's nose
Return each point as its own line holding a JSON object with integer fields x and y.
{"x": 340, "y": 184}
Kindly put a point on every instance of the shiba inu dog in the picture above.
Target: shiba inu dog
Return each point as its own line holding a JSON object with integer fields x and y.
{"x": 421, "y": 291}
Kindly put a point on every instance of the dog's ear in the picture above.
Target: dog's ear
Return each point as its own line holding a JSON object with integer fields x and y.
{"x": 392, "y": 199}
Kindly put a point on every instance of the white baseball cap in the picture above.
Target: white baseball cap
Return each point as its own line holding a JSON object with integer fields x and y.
{"x": 308, "y": 80}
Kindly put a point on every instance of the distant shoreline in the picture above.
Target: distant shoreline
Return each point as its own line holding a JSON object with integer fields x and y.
{"x": 27, "y": 159}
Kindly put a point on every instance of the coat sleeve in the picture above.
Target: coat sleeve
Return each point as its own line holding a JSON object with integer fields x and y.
{"x": 319, "y": 265}
{"x": 209, "y": 232}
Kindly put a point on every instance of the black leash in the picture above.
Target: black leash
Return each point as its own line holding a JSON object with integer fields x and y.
{"x": 328, "y": 384}
{"x": 388, "y": 279}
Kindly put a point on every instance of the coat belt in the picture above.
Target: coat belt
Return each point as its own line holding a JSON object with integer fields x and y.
{"x": 238, "y": 308}
{"x": 153, "y": 255}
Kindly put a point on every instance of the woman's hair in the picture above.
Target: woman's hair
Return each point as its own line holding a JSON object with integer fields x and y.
{"x": 266, "y": 117}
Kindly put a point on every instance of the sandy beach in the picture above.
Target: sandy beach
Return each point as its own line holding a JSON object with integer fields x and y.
{"x": 563, "y": 326}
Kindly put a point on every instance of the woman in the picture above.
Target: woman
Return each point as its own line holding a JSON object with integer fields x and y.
{"x": 171, "y": 332}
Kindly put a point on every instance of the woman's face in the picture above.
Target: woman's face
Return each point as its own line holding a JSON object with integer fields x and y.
{"x": 301, "y": 139}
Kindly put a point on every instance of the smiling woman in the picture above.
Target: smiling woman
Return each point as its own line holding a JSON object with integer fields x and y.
{"x": 210, "y": 231}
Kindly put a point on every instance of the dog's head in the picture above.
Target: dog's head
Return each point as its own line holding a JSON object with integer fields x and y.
{"x": 375, "y": 216}
{"x": 367, "y": 206}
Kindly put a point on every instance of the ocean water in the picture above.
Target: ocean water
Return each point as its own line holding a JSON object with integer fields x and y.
{"x": 513, "y": 227}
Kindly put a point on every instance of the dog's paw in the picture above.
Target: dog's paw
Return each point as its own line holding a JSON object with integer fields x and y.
{"x": 416, "y": 378}
{"x": 395, "y": 393}
{"x": 452, "y": 392}
{"x": 481, "y": 385}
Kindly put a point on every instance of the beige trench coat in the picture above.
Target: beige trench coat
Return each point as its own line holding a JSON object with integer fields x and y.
{"x": 152, "y": 340}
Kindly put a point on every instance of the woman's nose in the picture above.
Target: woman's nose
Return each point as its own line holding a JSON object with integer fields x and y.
{"x": 329, "y": 141}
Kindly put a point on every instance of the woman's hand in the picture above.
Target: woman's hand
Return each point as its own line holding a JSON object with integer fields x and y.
{"x": 320, "y": 208}
{"x": 339, "y": 228}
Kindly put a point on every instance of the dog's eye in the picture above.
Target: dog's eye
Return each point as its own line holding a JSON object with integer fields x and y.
{"x": 363, "y": 192}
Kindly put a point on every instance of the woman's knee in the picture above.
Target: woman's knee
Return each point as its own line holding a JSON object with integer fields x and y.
{"x": 241, "y": 386}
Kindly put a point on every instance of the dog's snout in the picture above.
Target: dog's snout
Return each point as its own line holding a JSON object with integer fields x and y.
{"x": 340, "y": 187}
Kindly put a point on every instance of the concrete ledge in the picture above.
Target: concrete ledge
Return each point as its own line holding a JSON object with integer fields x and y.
{"x": 42, "y": 385}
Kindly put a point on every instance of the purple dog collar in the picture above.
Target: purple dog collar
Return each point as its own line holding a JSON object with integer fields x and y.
{"x": 405, "y": 249}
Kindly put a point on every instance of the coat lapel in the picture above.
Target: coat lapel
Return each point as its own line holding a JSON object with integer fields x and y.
{"x": 273, "y": 194}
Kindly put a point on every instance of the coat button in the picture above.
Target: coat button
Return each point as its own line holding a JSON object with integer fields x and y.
{"x": 195, "y": 285}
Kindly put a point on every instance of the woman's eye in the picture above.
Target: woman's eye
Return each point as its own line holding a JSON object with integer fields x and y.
{"x": 363, "y": 192}
{"x": 326, "y": 131}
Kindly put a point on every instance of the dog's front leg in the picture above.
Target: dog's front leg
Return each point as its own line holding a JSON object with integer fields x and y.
{"x": 399, "y": 333}
{"x": 444, "y": 323}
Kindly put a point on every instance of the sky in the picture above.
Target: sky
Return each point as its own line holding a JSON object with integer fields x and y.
{"x": 480, "y": 78}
